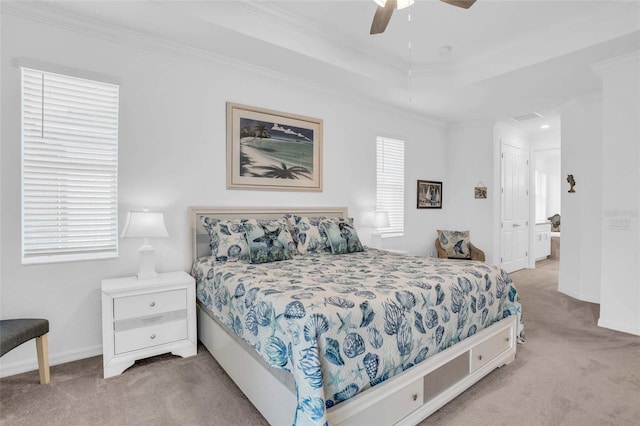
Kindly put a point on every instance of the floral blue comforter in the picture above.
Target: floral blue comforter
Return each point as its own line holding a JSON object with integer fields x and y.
{"x": 343, "y": 323}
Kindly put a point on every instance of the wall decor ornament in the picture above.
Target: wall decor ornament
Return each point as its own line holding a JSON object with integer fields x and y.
{"x": 273, "y": 150}
{"x": 429, "y": 194}
{"x": 572, "y": 182}
{"x": 480, "y": 191}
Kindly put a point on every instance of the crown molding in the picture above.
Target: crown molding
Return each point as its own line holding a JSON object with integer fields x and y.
{"x": 278, "y": 16}
{"x": 582, "y": 32}
{"x": 602, "y": 67}
{"x": 47, "y": 14}
{"x": 594, "y": 96}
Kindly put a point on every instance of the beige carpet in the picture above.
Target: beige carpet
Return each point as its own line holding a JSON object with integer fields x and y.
{"x": 570, "y": 372}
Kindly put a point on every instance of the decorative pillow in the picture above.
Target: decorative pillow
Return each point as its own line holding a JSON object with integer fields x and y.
{"x": 291, "y": 223}
{"x": 310, "y": 235}
{"x": 455, "y": 243}
{"x": 269, "y": 240}
{"x": 342, "y": 237}
{"x": 227, "y": 239}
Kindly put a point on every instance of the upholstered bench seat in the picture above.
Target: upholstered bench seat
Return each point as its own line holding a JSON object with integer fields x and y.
{"x": 14, "y": 332}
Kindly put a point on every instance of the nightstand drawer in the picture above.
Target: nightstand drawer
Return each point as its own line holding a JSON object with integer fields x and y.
{"x": 146, "y": 337}
{"x": 149, "y": 304}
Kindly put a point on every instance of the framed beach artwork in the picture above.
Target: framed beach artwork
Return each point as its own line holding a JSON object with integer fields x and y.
{"x": 429, "y": 194}
{"x": 273, "y": 150}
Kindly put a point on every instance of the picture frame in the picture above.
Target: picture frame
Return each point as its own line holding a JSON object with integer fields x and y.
{"x": 273, "y": 150}
{"x": 480, "y": 192}
{"x": 429, "y": 194}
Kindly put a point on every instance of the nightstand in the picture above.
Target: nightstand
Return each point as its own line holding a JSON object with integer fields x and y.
{"x": 143, "y": 318}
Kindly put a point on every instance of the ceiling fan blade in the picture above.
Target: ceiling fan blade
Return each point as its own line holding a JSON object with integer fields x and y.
{"x": 382, "y": 17}
{"x": 465, "y": 4}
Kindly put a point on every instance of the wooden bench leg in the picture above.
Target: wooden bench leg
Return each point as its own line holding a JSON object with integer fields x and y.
{"x": 42, "y": 348}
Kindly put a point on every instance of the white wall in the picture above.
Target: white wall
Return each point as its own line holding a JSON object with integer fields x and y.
{"x": 580, "y": 246}
{"x": 620, "y": 158}
{"x": 470, "y": 160}
{"x": 172, "y": 155}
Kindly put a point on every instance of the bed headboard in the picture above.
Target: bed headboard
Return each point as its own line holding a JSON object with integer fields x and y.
{"x": 200, "y": 238}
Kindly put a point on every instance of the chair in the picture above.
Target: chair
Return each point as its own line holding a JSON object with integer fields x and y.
{"x": 555, "y": 222}
{"x": 476, "y": 253}
{"x": 14, "y": 332}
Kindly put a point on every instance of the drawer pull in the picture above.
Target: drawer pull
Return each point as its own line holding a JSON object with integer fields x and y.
{"x": 479, "y": 357}
{"x": 152, "y": 304}
{"x": 414, "y": 397}
{"x": 506, "y": 339}
{"x": 153, "y": 336}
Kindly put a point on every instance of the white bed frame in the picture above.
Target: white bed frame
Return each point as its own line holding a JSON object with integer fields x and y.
{"x": 405, "y": 399}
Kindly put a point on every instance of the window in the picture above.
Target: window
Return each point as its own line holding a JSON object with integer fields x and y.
{"x": 69, "y": 168}
{"x": 390, "y": 184}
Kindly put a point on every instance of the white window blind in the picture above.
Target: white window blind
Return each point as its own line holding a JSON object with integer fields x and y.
{"x": 69, "y": 168}
{"x": 390, "y": 184}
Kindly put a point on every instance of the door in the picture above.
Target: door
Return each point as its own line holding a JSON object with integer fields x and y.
{"x": 514, "y": 208}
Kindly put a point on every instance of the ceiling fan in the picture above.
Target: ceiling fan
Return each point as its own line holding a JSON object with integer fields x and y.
{"x": 386, "y": 7}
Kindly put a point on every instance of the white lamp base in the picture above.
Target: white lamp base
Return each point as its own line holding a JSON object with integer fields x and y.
{"x": 147, "y": 264}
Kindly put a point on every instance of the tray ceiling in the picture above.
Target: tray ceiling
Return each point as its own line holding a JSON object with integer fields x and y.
{"x": 506, "y": 57}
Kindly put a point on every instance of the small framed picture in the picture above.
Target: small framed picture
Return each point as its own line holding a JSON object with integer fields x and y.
{"x": 429, "y": 194}
{"x": 481, "y": 192}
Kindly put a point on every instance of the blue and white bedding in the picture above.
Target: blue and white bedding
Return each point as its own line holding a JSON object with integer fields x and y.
{"x": 343, "y": 323}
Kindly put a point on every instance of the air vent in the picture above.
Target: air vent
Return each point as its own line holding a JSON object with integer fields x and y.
{"x": 527, "y": 117}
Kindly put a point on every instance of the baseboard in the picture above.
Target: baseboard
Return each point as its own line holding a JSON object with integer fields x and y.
{"x": 613, "y": 325}
{"x": 584, "y": 298}
{"x": 22, "y": 366}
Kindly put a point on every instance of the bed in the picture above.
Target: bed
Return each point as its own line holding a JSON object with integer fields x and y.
{"x": 369, "y": 337}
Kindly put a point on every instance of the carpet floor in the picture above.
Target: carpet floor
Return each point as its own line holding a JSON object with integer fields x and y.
{"x": 569, "y": 372}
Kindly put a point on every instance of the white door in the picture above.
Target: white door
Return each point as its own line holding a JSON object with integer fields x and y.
{"x": 514, "y": 208}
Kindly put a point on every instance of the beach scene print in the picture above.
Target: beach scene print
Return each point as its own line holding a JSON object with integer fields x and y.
{"x": 275, "y": 151}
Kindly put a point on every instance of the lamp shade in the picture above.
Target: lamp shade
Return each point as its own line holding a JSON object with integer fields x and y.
{"x": 145, "y": 224}
{"x": 377, "y": 219}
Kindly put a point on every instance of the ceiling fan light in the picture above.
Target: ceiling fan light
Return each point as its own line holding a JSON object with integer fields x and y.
{"x": 401, "y": 3}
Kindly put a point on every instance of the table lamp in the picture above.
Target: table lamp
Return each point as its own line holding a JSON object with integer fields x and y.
{"x": 376, "y": 219}
{"x": 145, "y": 224}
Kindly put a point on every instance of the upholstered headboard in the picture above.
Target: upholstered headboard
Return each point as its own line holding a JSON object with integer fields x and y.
{"x": 200, "y": 238}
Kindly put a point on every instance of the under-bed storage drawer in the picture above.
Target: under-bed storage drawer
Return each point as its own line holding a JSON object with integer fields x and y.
{"x": 391, "y": 409}
{"x": 490, "y": 348}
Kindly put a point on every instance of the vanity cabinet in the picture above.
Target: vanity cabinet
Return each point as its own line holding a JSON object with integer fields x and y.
{"x": 542, "y": 241}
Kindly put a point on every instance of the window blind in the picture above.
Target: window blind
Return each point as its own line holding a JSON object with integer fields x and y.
{"x": 390, "y": 184}
{"x": 69, "y": 168}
